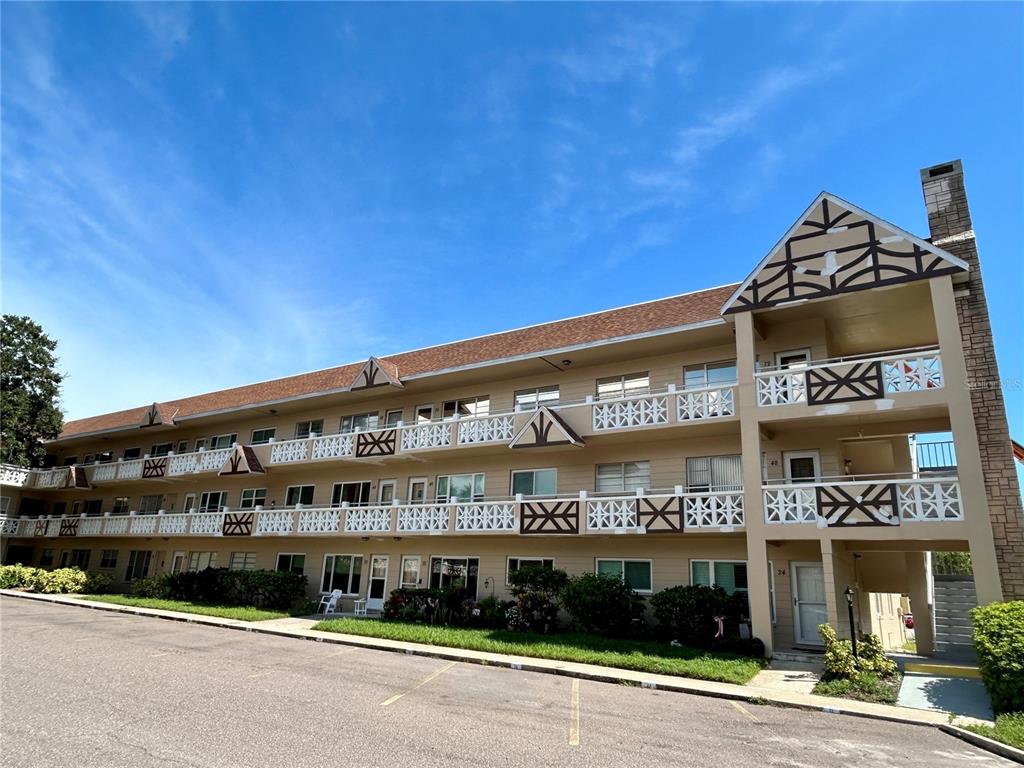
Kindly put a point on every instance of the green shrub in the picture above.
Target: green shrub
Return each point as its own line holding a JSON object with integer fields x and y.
{"x": 492, "y": 612}
{"x": 839, "y": 661}
{"x": 97, "y": 583}
{"x": 999, "y": 642}
{"x": 687, "y": 614}
{"x": 151, "y": 586}
{"x": 17, "y": 576}
{"x": 840, "y": 664}
{"x": 952, "y": 563}
{"x": 871, "y": 657}
{"x": 604, "y": 605}
{"x": 1009, "y": 729}
{"x": 277, "y": 590}
{"x": 536, "y": 591}
{"x": 450, "y": 605}
{"x": 62, "y": 580}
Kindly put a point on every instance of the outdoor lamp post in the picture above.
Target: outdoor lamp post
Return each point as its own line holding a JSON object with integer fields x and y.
{"x": 853, "y": 629}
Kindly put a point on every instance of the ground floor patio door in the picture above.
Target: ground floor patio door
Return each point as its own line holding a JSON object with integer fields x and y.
{"x": 808, "y": 602}
{"x": 378, "y": 583}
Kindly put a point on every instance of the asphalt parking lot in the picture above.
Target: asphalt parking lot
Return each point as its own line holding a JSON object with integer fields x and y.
{"x": 90, "y": 688}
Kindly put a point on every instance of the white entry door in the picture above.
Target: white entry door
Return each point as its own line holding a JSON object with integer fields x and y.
{"x": 377, "y": 590}
{"x": 410, "y": 577}
{"x": 808, "y": 602}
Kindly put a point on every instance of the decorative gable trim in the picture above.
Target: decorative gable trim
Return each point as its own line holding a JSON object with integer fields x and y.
{"x": 156, "y": 416}
{"x": 377, "y": 373}
{"x": 242, "y": 461}
{"x": 545, "y": 429}
{"x": 834, "y": 248}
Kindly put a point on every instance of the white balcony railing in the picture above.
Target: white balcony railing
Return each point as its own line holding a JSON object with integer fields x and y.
{"x": 104, "y": 473}
{"x": 333, "y": 446}
{"x": 319, "y": 520}
{"x": 416, "y": 437}
{"x": 171, "y": 525}
{"x": 718, "y": 509}
{"x": 375, "y": 519}
{"x": 880, "y": 500}
{"x": 489, "y": 516}
{"x": 274, "y": 522}
{"x": 635, "y": 411}
{"x": 851, "y": 378}
{"x": 17, "y": 476}
{"x": 486, "y": 429}
{"x": 423, "y": 518}
{"x": 710, "y": 403}
{"x": 611, "y": 514}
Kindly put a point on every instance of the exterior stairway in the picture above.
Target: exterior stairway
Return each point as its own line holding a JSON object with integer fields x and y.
{"x": 954, "y": 599}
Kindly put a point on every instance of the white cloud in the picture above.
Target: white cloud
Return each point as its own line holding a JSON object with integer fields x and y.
{"x": 168, "y": 25}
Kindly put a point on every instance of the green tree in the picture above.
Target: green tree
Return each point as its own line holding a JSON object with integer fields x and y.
{"x": 29, "y": 391}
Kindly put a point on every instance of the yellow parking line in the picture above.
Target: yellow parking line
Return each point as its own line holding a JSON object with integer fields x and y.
{"x": 744, "y": 710}
{"x": 424, "y": 681}
{"x": 574, "y": 714}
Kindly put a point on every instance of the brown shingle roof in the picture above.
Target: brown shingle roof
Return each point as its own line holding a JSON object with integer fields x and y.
{"x": 651, "y": 316}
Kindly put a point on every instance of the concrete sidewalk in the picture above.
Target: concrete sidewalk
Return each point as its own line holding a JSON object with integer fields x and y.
{"x": 299, "y": 629}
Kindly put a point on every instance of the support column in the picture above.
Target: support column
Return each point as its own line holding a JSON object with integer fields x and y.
{"x": 973, "y": 497}
{"x": 920, "y": 601}
{"x": 828, "y": 568}
{"x": 753, "y": 503}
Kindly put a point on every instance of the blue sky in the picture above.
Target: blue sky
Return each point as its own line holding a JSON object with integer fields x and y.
{"x": 196, "y": 197}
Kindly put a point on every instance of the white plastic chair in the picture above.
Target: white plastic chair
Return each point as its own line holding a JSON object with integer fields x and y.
{"x": 329, "y": 603}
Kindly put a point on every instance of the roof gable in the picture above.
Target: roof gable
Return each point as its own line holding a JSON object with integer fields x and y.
{"x": 836, "y": 247}
{"x": 545, "y": 429}
{"x": 377, "y": 373}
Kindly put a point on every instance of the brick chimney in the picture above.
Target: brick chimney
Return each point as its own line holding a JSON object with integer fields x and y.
{"x": 949, "y": 220}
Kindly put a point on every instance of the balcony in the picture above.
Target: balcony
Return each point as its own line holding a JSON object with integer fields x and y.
{"x": 644, "y": 512}
{"x": 851, "y": 379}
{"x": 880, "y": 500}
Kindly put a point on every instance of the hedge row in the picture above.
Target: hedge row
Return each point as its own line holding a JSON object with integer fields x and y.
{"x": 61, "y": 580}
{"x": 999, "y": 643}
{"x": 280, "y": 590}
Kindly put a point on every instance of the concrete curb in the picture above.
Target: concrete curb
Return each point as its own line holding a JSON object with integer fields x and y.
{"x": 729, "y": 691}
{"x": 984, "y": 742}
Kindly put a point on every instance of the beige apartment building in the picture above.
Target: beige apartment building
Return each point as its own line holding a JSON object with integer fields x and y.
{"x": 758, "y": 435}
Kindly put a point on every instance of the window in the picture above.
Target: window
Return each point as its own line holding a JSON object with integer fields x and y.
{"x": 161, "y": 449}
{"x": 342, "y": 572}
{"x": 793, "y": 358}
{"x": 59, "y": 507}
{"x": 242, "y": 561}
{"x": 30, "y": 506}
{"x": 709, "y": 374}
{"x": 198, "y": 561}
{"x": 261, "y": 436}
{"x": 138, "y": 565}
{"x": 88, "y": 458}
{"x": 46, "y": 558}
{"x": 200, "y": 443}
{"x": 534, "y": 398}
{"x": 299, "y": 494}
{"x": 624, "y": 385}
{"x": 253, "y": 497}
{"x": 5, "y": 504}
{"x": 636, "y": 573}
{"x": 291, "y": 561}
{"x": 213, "y": 501}
{"x": 108, "y": 558}
{"x": 93, "y": 507}
{"x": 513, "y": 564}
{"x": 391, "y": 418}
{"x": 131, "y": 453}
{"x": 801, "y": 466}
{"x": 359, "y": 422}
{"x": 151, "y": 503}
{"x": 105, "y": 457}
{"x": 627, "y": 476}
{"x": 182, "y": 447}
{"x": 460, "y": 487}
{"x": 466, "y": 406}
{"x": 76, "y": 508}
{"x": 222, "y": 441}
{"x": 307, "y": 428}
{"x": 70, "y": 461}
{"x": 719, "y": 473}
{"x": 455, "y": 572}
{"x": 120, "y": 505}
{"x": 80, "y": 558}
{"x": 535, "y": 482}
{"x": 353, "y": 493}
{"x": 424, "y": 414}
{"x": 730, "y": 575}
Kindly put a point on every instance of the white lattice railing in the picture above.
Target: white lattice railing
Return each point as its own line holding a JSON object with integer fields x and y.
{"x": 486, "y": 516}
{"x": 8, "y": 526}
{"x": 212, "y": 461}
{"x": 129, "y": 470}
{"x": 52, "y": 478}
{"x": 319, "y": 520}
{"x": 790, "y": 504}
{"x": 20, "y": 477}
{"x": 333, "y": 446}
{"x": 643, "y": 411}
{"x": 930, "y": 500}
{"x": 274, "y": 522}
{"x": 611, "y": 514}
{"x": 423, "y": 518}
{"x": 368, "y": 519}
{"x": 912, "y": 373}
{"x": 115, "y": 526}
{"x": 207, "y": 523}
{"x": 705, "y": 404}
{"x": 289, "y": 451}
{"x": 486, "y": 429}
{"x": 418, "y": 436}
{"x": 182, "y": 464}
{"x": 781, "y": 388}
{"x": 90, "y": 526}
{"x": 174, "y": 524}
{"x": 144, "y": 525}
{"x": 722, "y": 509}
{"x": 104, "y": 473}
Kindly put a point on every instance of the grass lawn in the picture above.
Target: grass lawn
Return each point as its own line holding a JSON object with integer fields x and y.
{"x": 587, "y": 649}
{"x": 1009, "y": 729}
{"x": 243, "y": 613}
{"x": 863, "y": 687}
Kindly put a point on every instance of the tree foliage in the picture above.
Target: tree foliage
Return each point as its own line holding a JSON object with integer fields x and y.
{"x": 29, "y": 391}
